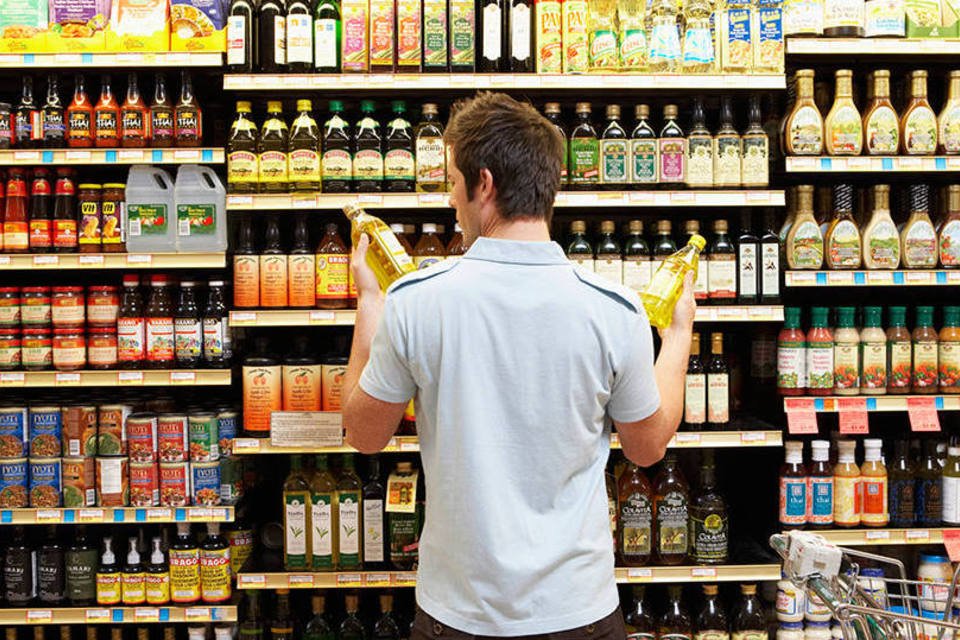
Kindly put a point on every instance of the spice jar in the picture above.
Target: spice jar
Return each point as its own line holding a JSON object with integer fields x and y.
{"x": 68, "y": 307}
{"x": 37, "y": 348}
{"x": 9, "y": 349}
{"x": 35, "y": 307}
{"x": 102, "y": 347}
{"x": 69, "y": 349}
{"x": 111, "y": 215}
{"x": 91, "y": 217}
{"x": 9, "y": 306}
{"x": 103, "y": 305}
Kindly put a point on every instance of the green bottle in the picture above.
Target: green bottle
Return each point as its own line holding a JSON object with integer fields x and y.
{"x": 584, "y": 162}
{"x": 296, "y": 518}
{"x": 323, "y": 491}
{"x": 349, "y": 490}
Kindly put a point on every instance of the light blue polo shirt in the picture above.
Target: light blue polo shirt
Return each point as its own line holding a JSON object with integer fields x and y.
{"x": 518, "y": 361}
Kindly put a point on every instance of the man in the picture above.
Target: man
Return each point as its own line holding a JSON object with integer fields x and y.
{"x": 519, "y": 362}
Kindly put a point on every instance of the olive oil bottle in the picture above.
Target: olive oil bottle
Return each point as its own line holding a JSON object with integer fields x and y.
{"x": 242, "y": 160}
{"x": 368, "y": 151}
{"x": 661, "y": 295}
{"x": 385, "y": 256}
{"x": 399, "y": 163}
{"x": 584, "y": 164}
{"x": 430, "y": 152}
{"x": 272, "y": 151}
{"x": 336, "y": 164}
{"x": 304, "y": 154}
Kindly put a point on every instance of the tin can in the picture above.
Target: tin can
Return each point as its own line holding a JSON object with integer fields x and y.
{"x": 142, "y": 437}
{"x": 45, "y": 474}
{"x": 144, "y": 484}
{"x": 231, "y": 480}
{"x": 111, "y": 429}
{"x": 13, "y": 483}
{"x": 227, "y": 422}
{"x": 205, "y": 483}
{"x": 174, "y": 484}
{"x": 79, "y": 482}
{"x": 46, "y": 432}
{"x": 172, "y": 437}
{"x": 13, "y": 432}
{"x": 202, "y": 430}
{"x": 113, "y": 488}
{"x": 80, "y": 430}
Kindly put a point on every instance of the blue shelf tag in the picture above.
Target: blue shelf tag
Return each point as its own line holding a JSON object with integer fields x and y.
{"x": 871, "y": 404}
{"x": 28, "y": 58}
{"x": 206, "y": 155}
{"x": 110, "y": 156}
{"x": 86, "y": 58}
{"x": 941, "y": 277}
{"x": 859, "y": 277}
{"x": 180, "y": 515}
{"x": 940, "y": 163}
{"x": 118, "y": 515}
{"x": 6, "y": 516}
{"x": 898, "y": 277}
{"x": 69, "y": 515}
{"x": 887, "y": 164}
{"x": 821, "y": 278}
{"x": 156, "y": 155}
{"x": 140, "y": 515}
{"x": 116, "y": 615}
{"x": 826, "y": 164}
{"x": 164, "y": 614}
{"x": 939, "y": 401}
{"x": 818, "y": 404}
{"x": 47, "y": 157}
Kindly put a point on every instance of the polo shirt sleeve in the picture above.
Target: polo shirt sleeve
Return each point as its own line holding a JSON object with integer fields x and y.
{"x": 634, "y": 394}
{"x": 387, "y": 376}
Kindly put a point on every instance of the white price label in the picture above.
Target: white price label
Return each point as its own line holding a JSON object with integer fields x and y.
{"x": 251, "y": 579}
{"x": 93, "y": 260}
{"x": 78, "y": 156}
{"x": 67, "y": 378}
{"x": 878, "y": 535}
{"x": 146, "y": 614}
{"x": 90, "y": 515}
{"x": 130, "y": 377}
{"x": 196, "y": 614}
{"x": 97, "y": 615}
{"x": 190, "y": 155}
{"x": 139, "y": 258}
{"x": 239, "y": 201}
{"x": 238, "y": 318}
{"x": 130, "y": 155}
{"x": 639, "y": 574}
{"x": 246, "y": 445}
{"x": 49, "y": 515}
{"x": 348, "y": 580}
{"x": 688, "y": 438}
{"x": 46, "y": 260}
{"x": 703, "y": 572}
{"x": 918, "y": 534}
{"x": 11, "y": 378}
{"x": 753, "y": 436}
{"x": 154, "y": 515}
{"x": 26, "y": 156}
{"x": 300, "y": 580}
{"x": 182, "y": 377}
{"x": 39, "y": 615}
{"x": 321, "y": 317}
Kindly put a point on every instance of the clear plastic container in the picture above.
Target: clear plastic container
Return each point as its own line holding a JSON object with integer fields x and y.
{"x": 791, "y": 602}
{"x": 150, "y": 211}
{"x": 201, "y": 210}
{"x": 790, "y": 631}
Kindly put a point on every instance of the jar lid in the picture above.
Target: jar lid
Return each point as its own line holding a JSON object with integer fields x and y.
{"x": 102, "y": 289}
{"x": 68, "y": 331}
{"x": 101, "y": 330}
{"x": 9, "y": 289}
{"x": 114, "y": 185}
{"x": 871, "y": 572}
{"x": 36, "y": 290}
{"x": 934, "y": 558}
{"x": 91, "y": 186}
{"x": 68, "y": 289}
{"x": 42, "y": 331}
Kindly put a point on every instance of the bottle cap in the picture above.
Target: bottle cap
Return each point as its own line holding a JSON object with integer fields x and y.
{"x": 818, "y": 317}
{"x": 133, "y": 556}
{"x": 845, "y": 317}
{"x": 720, "y": 226}
{"x": 670, "y": 111}
{"x": 951, "y": 316}
{"x": 583, "y": 107}
{"x": 430, "y": 109}
{"x": 156, "y": 556}
{"x": 367, "y": 106}
{"x": 698, "y": 241}
{"x": 304, "y": 105}
{"x": 551, "y": 107}
{"x": 635, "y": 226}
{"x": 108, "y": 557}
{"x": 691, "y": 226}
{"x": 213, "y": 528}
{"x": 664, "y": 227}
{"x": 613, "y": 111}
{"x": 710, "y": 589}
{"x": 641, "y": 112}
{"x": 429, "y": 227}
{"x": 925, "y": 316}
{"x": 897, "y": 316}
{"x": 578, "y": 226}
{"x": 243, "y": 106}
{"x": 336, "y": 106}
{"x": 398, "y": 106}
{"x": 607, "y": 226}
{"x": 274, "y": 106}
{"x": 872, "y": 315}
{"x": 215, "y": 283}
{"x": 791, "y": 317}
{"x": 820, "y": 450}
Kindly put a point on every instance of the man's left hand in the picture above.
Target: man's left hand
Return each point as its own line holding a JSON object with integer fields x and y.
{"x": 363, "y": 276}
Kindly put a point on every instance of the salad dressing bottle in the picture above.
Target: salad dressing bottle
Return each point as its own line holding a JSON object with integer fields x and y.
{"x": 948, "y": 122}
{"x": 842, "y": 241}
{"x": 918, "y": 238}
{"x": 804, "y": 126}
{"x": 804, "y": 242}
{"x": 881, "y": 240}
{"x": 873, "y": 353}
{"x": 918, "y": 123}
{"x": 881, "y": 124}
{"x": 848, "y": 488}
{"x": 948, "y": 241}
{"x": 844, "y": 125}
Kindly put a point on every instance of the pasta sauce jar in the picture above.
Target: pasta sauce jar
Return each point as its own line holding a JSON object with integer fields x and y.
{"x": 10, "y": 355}
{"x": 35, "y": 308}
{"x": 102, "y": 347}
{"x": 37, "y": 348}
{"x": 103, "y": 305}
{"x": 9, "y": 306}
{"x": 68, "y": 307}
{"x": 69, "y": 349}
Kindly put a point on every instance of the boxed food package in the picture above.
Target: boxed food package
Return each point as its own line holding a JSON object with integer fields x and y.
{"x": 139, "y": 26}
{"x": 78, "y": 25}
{"x": 925, "y": 20}
{"x": 23, "y": 26}
{"x": 198, "y": 25}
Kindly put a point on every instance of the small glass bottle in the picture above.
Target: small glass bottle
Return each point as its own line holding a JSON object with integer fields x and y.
{"x": 803, "y": 128}
{"x": 881, "y": 124}
{"x": 918, "y": 123}
{"x": 820, "y": 486}
{"x": 844, "y": 125}
{"x": 793, "y": 488}
{"x": 875, "y": 486}
{"x": 848, "y": 487}
{"x": 925, "y": 353}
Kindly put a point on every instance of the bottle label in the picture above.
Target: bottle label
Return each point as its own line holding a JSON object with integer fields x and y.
{"x": 279, "y": 40}
{"x": 613, "y": 163}
{"x": 920, "y": 132}
{"x": 296, "y": 530}
{"x": 273, "y": 281}
{"x": 643, "y": 153}
{"x": 431, "y": 161}
{"x": 189, "y": 338}
{"x": 79, "y": 125}
{"x": 133, "y": 589}
{"x": 109, "y": 587}
{"x": 304, "y": 165}
{"x": 672, "y": 524}
{"x": 722, "y": 277}
{"x": 188, "y": 122}
{"x": 368, "y": 165}
{"x": 701, "y": 285}
{"x": 664, "y": 43}
{"x": 636, "y": 522}
{"x": 633, "y": 49}
{"x": 106, "y": 124}
{"x": 157, "y": 587}
{"x": 846, "y": 365}
{"x": 636, "y": 274}
{"x": 806, "y": 132}
{"x": 874, "y": 500}
{"x": 950, "y": 244}
{"x": 711, "y": 635}
{"x": 791, "y": 365}
{"x": 902, "y": 502}
{"x": 299, "y": 38}
{"x": 349, "y": 512}
{"x": 399, "y": 164}
{"x": 325, "y": 43}
{"x": 755, "y": 161}
{"x": 161, "y": 123}
{"x": 672, "y": 154}
{"x": 520, "y": 32}
{"x": 820, "y": 365}
{"x": 807, "y": 246}
{"x": 574, "y": 41}
{"x": 748, "y": 269}
{"x": 883, "y": 132}
{"x": 695, "y": 399}
{"x": 770, "y": 274}
{"x": 820, "y": 500}
{"x": 215, "y": 575}
{"x": 242, "y": 167}
{"x": 700, "y": 162}
{"x": 196, "y": 219}
{"x": 246, "y": 281}
{"x": 920, "y": 245}
{"x": 949, "y": 364}
{"x": 843, "y": 245}
{"x": 900, "y": 367}
{"x": 41, "y": 234}
{"x": 333, "y": 273}
{"x": 261, "y": 396}
{"x": 160, "y": 339}
{"x": 373, "y": 531}
{"x": 236, "y": 40}
{"x": 213, "y": 338}
{"x": 184, "y": 575}
{"x": 612, "y": 270}
{"x": 846, "y": 132}
{"x": 727, "y": 161}
{"x": 718, "y": 398}
{"x": 848, "y": 500}
{"x": 950, "y": 130}
{"x": 273, "y": 167}
{"x": 883, "y": 246}
{"x": 131, "y": 344}
{"x": 549, "y": 36}
{"x": 749, "y": 635}
{"x": 874, "y": 374}
{"x": 111, "y": 218}
{"x": 132, "y": 122}
{"x": 769, "y": 54}
{"x": 697, "y": 46}
{"x": 337, "y": 165}
{"x": 301, "y": 280}
{"x": 584, "y": 161}
{"x": 925, "y": 364}
{"x": 603, "y": 50}
{"x": 435, "y": 34}
{"x": 710, "y": 538}
{"x": 951, "y": 500}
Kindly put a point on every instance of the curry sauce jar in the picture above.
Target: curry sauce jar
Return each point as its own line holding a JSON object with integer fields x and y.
{"x": 205, "y": 483}
{"x": 36, "y": 349}
{"x": 172, "y": 438}
{"x": 35, "y": 307}
{"x": 204, "y": 440}
{"x": 174, "y": 484}
{"x": 142, "y": 437}
{"x": 9, "y": 307}
{"x": 11, "y": 354}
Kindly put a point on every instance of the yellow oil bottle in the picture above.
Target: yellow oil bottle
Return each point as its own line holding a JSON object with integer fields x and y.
{"x": 661, "y": 295}
{"x": 386, "y": 255}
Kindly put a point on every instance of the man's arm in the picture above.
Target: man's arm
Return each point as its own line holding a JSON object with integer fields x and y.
{"x": 369, "y": 422}
{"x": 645, "y": 441}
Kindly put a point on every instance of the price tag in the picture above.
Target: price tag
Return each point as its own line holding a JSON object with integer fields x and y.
{"x": 246, "y": 445}
{"x": 641, "y": 198}
{"x": 199, "y": 515}
{"x": 349, "y": 580}
{"x": 46, "y": 261}
{"x": 801, "y": 416}
{"x": 753, "y": 436}
{"x": 879, "y": 278}
{"x": 758, "y": 197}
{"x": 858, "y": 164}
{"x": 253, "y": 580}
{"x": 183, "y": 377}
{"x": 951, "y": 540}
{"x": 146, "y": 614}
{"x": 295, "y": 580}
{"x": 367, "y": 198}
{"x": 243, "y": 318}
{"x": 377, "y": 579}
{"x": 409, "y": 445}
{"x": 953, "y": 163}
{"x": 923, "y": 414}
{"x": 97, "y": 615}
{"x": 703, "y": 572}
{"x": 909, "y": 164}
{"x": 66, "y": 378}
{"x": 690, "y": 439}
{"x": 39, "y": 616}
{"x": 130, "y": 58}
{"x": 639, "y": 574}
{"x": 407, "y": 579}
{"x": 130, "y": 155}
{"x": 918, "y": 534}
{"x": 853, "y": 416}
{"x": 801, "y": 278}
{"x": 300, "y": 202}
{"x": 156, "y": 515}
{"x": 801, "y": 164}
{"x": 953, "y": 277}
{"x": 730, "y": 313}
{"x": 48, "y": 516}
{"x": 919, "y": 277}
{"x": 840, "y": 278}
{"x": 26, "y": 156}
{"x": 682, "y": 198}
{"x": 11, "y": 379}
{"x": 190, "y": 155}
{"x": 765, "y": 313}
{"x": 4, "y": 260}
{"x": 92, "y": 260}
{"x": 90, "y": 515}
{"x": 131, "y": 378}
{"x": 877, "y": 535}
{"x": 239, "y": 201}
{"x": 431, "y": 198}
{"x": 139, "y": 258}
{"x": 174, "y": 59}
{"x": 196, "y": 614}
{"x": 321, "y": 317}
{"x": 78, "y": 156}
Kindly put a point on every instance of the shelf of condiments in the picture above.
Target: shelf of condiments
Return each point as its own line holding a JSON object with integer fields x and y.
{"x": 366, "y": 157}
{"x": 927, "y": 19}
{"x": 846, "y": 361}
{"x": 587, "y": 36}
{"x": 883, "y": 46}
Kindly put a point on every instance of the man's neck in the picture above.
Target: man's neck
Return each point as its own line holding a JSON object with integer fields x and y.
{"x": 525, "y": 230}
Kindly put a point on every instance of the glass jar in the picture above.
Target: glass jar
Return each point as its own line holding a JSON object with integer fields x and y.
{"x": 872, "y": 582}
{"x": 10, "y": 307}
{"x": 37, "y": 347}
{"x": 817, "y": 631}
{"x": 69, "y": 349}
{"x": 935, "y": 572}
{"x": 791, "y": 602}
{"x": 112, "y": 216}
{"x": 35, "y": 309}
{"x": 68, "y": 307}
{"x": 102, "y": 347}
{"x": 103, "y": 306}
{"x": 790, "y": 631}
{"x": 9, "y": 349}
{"x": 90, "y": 200}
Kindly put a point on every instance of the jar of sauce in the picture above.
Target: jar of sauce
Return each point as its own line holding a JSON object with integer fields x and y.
{"x": 111, "y": 234}
{"x": 91, "y": 220}
{"x": 9, "y": 349}
{"x": 35, "y": 307}
{"x": 9, "y": 306}
{"x": 68, "y": 307}
{"x": 69, "y": 349}
{"x": 102, "y": 347}
{"x": 37, "y": 348}
{"x": 103, "y": 305}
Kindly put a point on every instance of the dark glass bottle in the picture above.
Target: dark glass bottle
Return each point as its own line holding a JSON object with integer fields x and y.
{"x": 399, "y": 163}
{"x": 709, "y": 522}
{"x": 299, "y": 36}
{"x": 188, "y": 331}
{"x": 663, "y": 245}
{"x": 351, "y": 628}
{"x": 134, "y": 116}
{"x": 80, "y": 562}
{"x": 675, "y": 623}
{"x": 491, "y": 25}
{"x": 722, "y": 273}
{"x": 131, "y": 325}
{"x": 614, "y": 160}
{"x": 551, "y": 112}
{"x": 51, "y": 584}
{"x": 700, "y": 160}
{"x": 748, "y": 263}
{"x": 28, "y": 129}
{"x": 727, "y": 149}
{"x": 584, "y": 161}
{"x": 902, "y": 477}
{"x": 521, "y": 39}
{"x": 750, "y": 620}
{"x": 368, "y": 170}
{"x": 241, "y": 36}
{"x": 188, "y": 118}
{"x": 54, "y": 126}
{"x": 579, "y": 250}
{"x": 639, "y": 621}
{"x": 328, "y": 33}
{"x": 251, "y": 626}
{"x": 671, "y": 500}
{"x": 272, "y": 35}
{"x": 41, "y": 212}
{"x": 718, "y": 386}
{"x": 404, "y": 528}
{"x": 317, "y": 628}
{"x": 242, "y": 170}
{"x": 695, "y": 389}
{"x": 217, "y": 343}
{"x": 282, "y": 625}
{"x": 643, "y": 149}
{"x": 769, "y": 262}
{"x": 712, "y": 620}
{"x": 19, "y": 560}
{"x": 162, "y": 122}
{"x": 336, "y": 165}
{"x": 928, "y": 501}
{"x": 374, "y": 500}
{"x": 304, "y": 150}
{"x": 635, "y": 517}
{"x": 386, "y": 628}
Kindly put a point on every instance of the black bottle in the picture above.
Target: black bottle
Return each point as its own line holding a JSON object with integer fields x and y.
{"x": 241, "y": 36}
{"x": 28, "y": 129}
{"x": 81, "y": 561}
{"x": 54, "y": 125}
{"x": 271, "y": 41}
{"x": 50, "y": 570}
{"x": 19, "y": 563}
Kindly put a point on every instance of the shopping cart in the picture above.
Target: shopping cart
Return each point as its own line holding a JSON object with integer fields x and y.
{"x": 869, "y": 608}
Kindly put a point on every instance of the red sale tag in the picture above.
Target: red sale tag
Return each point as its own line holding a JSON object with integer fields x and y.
{"x": 951, "y": 540}
{"x": 853, "y": 416}
{"x": 923, "y": 414}
{"x": 801, "y": 416}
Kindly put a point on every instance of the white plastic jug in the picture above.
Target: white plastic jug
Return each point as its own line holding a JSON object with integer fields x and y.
{"x": 150, "y": 210}
{"x": 201, "y": 210}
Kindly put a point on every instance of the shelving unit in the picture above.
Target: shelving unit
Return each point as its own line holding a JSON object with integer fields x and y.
{"x": 58, "y": 157}
{"x": 65, "y": 261}
{"x": 144, "y": 378}
{"x": 171, "y": 59}
{"x": 872, "y": 537}
{"x": 918, "y": 278}
{"x": 872, "y": 164}
{"x": 830, "y": 404}
{"x": 116, "y": 515}
{"x": 117, "y": 615}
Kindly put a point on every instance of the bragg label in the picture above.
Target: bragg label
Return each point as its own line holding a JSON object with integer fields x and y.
{"x": 13, "y": 432}
{"x": 215, "y": 574}
{"x": 172, "y": 437}
{"x": 160, "y": 340}
{"x": 227, "y": 422}
{"x": 241, "y": 546}
{"x": 45, "y": 474}
{"x": 205, "y": 483}
{"x": 133, "y": 588}
{"x": 144, "y": 484}
{"x": 108, "y": 588}
{"x": 184, "y": 575}
{"x": 113, "y": 489}
{"x": 111, "y": 430}
{"x": 13, "y": 483}
{"x": 333, "y": 276}
{"x": 142, "y": 438}
{"x": 79, "y": 482}
{"x": 46, "y": 428}
{"x": 174, "y": 484}
{"x": 157, "y": 585}
{"x": 202, "y": 431}
{"x": 80, "y": 430}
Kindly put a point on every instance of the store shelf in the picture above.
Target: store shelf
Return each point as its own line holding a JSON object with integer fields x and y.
{"x": 110, "y": 156}
{"x": 873, "y": 164}
{"x": 411, "y": 444}
{"x": 363, "y": 579}
{"x": 870, "y": 537}
{"x": 919, "y": 278}
{"x": 565, "y": 199}
{"x": 113, "y": 261}
{"x": 117, "y": 615}
{"x": 107, "y": 60}
{"x": 145, "y": 378}
{"x": 830, "y": 404}
{"x": 116, "y": 515}
{"x": 743, "y": 313}
{"x": 872, "y": 46}
{"x": 341, "y": 83}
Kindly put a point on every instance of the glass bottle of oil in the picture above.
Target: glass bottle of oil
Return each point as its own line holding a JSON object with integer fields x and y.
{"x": 881, "y": 124}
{"x": 336, "y": 163}
{"x": 296, "y": 518}
{"x": 584, "y": 161}
{"x": 304, "y": 157}
{"x": 242, "y": 160}
{"x": 643, "y": 149}
{"x": 430, "y": 151}
{"x": 918, "y": 123}
{"x": 948, "y": 123}
{"x": 804, "y": 126}
{"x": 673, "y": 148}
{"x": 614, "y": 172}
{"x": 698, "y": 51}
{"x": 700, "y": 150}
{"x": 844, "y": 124}
{"x": 385, "y": 256}
{"x": 368, "y": 151}
{"x": 726, "y": 150}
{"x": 755, "y": 150}
{"x": 273, "y": 150}
{"x": 661, "y": 295}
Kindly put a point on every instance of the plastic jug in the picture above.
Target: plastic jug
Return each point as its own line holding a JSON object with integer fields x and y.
{"x": 201, "y": 210}
{"x": 150, "y": 208}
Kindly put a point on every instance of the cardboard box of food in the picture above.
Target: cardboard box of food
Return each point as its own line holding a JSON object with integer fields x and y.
{"x": 198, "y": 25}
{"x": 23, "y": 26}
{"x": 925, "y": 19}
{"x": 141, "y": 26}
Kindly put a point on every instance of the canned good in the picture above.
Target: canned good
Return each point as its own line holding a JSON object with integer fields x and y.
{"x": 13, "y": 432}
{"x": 79, "y": 482}
{"x": 142, "y": 437}
{"x": 102, "y": 347}
{"x": 144, "y": 484}
{"x": 46, "y": 431}
{"x": 202, "y": 430}
{"x": 68, "y": 309}
{"x": 9, "y": 306}
{"x": 69, "y": 349}
{"x": 174, "y": 484}
{"x": 205, "y": 483}
{"x": 227, "y": 422}
{"x": 13, "y": 483}
{"x": 36, "y": 348}
{"x": 35, "y": 307}
{"x": 231, "y": 480}
{"x": 113, "y": 489}
{"x": 80, "y": 430}
{"x": 103, "y": 305}
{"x": 11, "y": 354}
{"x": 45, "y": 474}
{"x": 172, "y": 437}
{"x": 111, "y": 429}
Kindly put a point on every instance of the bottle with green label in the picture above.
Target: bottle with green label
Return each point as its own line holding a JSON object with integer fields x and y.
{"x": 643, "y": 149}
{"x": 336, "y": 165}
{"x": 368, "y": 151}
{"x": 349, "y": 490}
{"x": 613, "y": 152}
{"x": 296, "y": 518}
{"x": 584, "y": 163}
{"x": 399, "y": 163}
{"x": 323, "y": 523}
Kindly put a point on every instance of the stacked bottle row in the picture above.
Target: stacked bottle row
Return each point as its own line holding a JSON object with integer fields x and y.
{"x": 109, "y": 122}
{"x": 747, "y": 619}
{"x": 847, "y": 361}
{"x": 903, "y": 490}
{"x": 916, "y": 130}
{"x": 840, "y": 235}
{"x": 744, "y": 269}
{"x": 855, "y": 20}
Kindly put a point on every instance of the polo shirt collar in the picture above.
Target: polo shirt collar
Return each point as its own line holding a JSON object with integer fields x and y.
{"x": 516, "y": 252}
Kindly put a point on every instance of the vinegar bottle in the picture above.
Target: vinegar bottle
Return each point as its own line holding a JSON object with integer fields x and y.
{"x": 273, "y": 268}
{"x": 385, "y": 256}
{"x": 246, "y": 269}
{"x": 333, "y": 270}
{"x": 661, "y": 296}
{"x": 301, "y": 268}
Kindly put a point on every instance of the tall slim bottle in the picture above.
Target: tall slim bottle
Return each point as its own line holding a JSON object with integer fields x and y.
{"x": 300, "y": 30}
{"x": 521, "y": 43}
{"x": 327, "y": 36}
{"x": 386, "y": 256}
{"x": 399, "y": 162}
{"x": 241, "y": 36}
{"x": 272, "y": 36}
{"x": 349, "y": 499}
{"x": 430, "y": 151}
{"x": 661, "y": 296}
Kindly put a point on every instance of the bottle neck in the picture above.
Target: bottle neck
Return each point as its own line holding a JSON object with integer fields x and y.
{"x": 881, "y": 88}
{"x": 844, "y": 87}
{"x": 918, "y": 88}
{"x": 804, "y": 88}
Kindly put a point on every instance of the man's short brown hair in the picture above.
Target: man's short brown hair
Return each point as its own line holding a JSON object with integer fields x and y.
{"x": 522, "y": 150}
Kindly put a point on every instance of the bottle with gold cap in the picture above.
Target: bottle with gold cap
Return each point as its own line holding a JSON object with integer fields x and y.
{"x": 242, "y": 160}
{"x": 661, "y": 295}
{"x": 918, "y": 123}
{"x": 881, "y": 240}
{"x": 803, "y": 128}
{"x": 272, "y": 151}
{"x": 701, "y": 287}
{"x": 644, "y": 160}
{"x": 948, "y": 240}
{"x": 579, "y": 250}
{"x": 948, "y": 122}
{"x": 609, "y": 262}
{"x": 750, "y": 621}
{"x": 304, "y": 150}
{"x": 551, "y": 112}
{"x": 673, "y": 148}
{"x": 614, "y": 172}
{"x": 881, "y": 124}
{"x": 385, "y": 256}
{"x": 844, "y": 126}
{"x": 636, "y": 258}
{"x": 431, "y": 155}
{"x": 804, "y": 240}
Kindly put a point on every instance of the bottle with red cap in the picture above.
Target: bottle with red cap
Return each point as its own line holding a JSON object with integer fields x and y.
{"x": 131, "y": 325}
{"x": 15, "y": 227}
{"x": 65, "y": 212}
{"x": 160, "y": 325}
{"x": 41, "y": 212}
